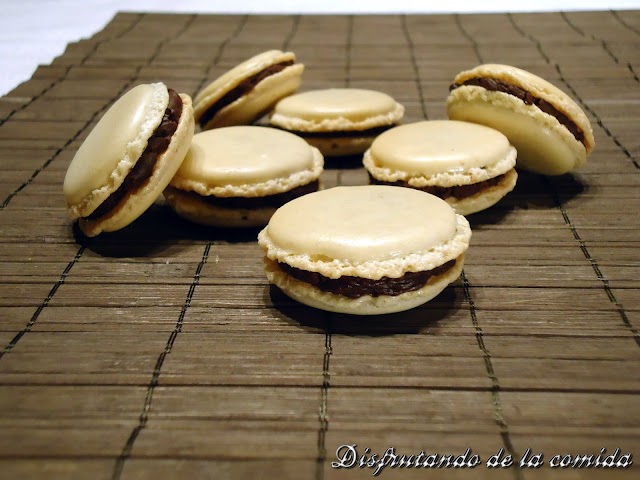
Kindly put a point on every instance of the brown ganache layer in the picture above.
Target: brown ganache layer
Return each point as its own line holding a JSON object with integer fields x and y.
{"x": 143, "y": 169}
{"x": 355, "y": 287}
{"x": 459, "y": 191}
{"x": 241, "y": 89}
{"x": 369, "y": 132}
{"x": 496, "y": 85}
{"x": 275, "y": 200}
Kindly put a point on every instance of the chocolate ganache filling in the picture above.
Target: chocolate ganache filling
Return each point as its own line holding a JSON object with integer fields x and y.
{"x": 458, "y": 191}
{"x": 276, "y": 200}
{"x": 143, "y": 169}
{"x": 241, "y": 89}
{"x": 369, "y": 132}
{"x": 495, "y": 85}
{"x": 355, "y": 287}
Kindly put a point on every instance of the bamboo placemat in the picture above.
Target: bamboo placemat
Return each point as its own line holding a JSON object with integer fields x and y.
{"x": 161, "y": 352}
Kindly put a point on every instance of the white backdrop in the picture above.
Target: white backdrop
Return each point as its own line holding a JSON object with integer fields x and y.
{"x": 33, "y": 32}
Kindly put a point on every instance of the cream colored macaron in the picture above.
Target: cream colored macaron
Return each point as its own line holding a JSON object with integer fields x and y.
{"x": 552, "y": 134}
{"x": 238, "y": 176}
{"x": 470, "y": 166}
{"x": 248, "y": 91}
{"x": 128, "y": 158}
{"x": 338, "y": 121}
{"x": 364, "y": 250}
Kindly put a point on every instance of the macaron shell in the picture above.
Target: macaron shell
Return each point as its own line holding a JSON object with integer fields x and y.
{"x": 203, "y": 213}
{"x": 113, "y": 147}
{"x": 260, "y": 99}
{"x": 543, "y": 144}
{"x": 538, "y": 87}
{"x": 486, "y": 197}
{"x": 365, "y": 231}
{"x": 230, "y": 79}
{"x": 340, "y": 223}
{"x": 167, "y": 164}
{"x": 341, "y": 146}
{"x": 336, "y": 109}
{"x": 432, "y": 147}
{"x": 444, "y": 178}
{"x": 247, "y": 161}
{"x": 366, "y": 305}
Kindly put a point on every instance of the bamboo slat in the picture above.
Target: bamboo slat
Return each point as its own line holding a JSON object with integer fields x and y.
{"x": 161, "y": 351}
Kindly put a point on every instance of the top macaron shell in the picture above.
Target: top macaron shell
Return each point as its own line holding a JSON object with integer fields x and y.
{"x": 444, "y": 153}
{"x": 259, "y": 99}
{"x": 113, "y": 147}
{"x": 336, "y": 109}
{"x": 335, "y": 232}
{"x": 247, "y": 161}
{"x": 111, "y": 151}
{"x": 544, "y": 145}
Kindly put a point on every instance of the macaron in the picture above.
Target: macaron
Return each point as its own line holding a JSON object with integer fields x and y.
{"x": 552, "y": 134}
{"x": 238, "y": 176}
{"x": 338, "y": 121}
{"x": 248, "y": 91}
{"x": 469, "y": 166}
{"x": 364, "y": 250}
{"x": 128, "y": 158}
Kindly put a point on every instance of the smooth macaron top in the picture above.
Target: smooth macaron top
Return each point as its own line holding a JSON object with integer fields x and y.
{"x": 230, "y": 79}
{"x": 446, "y": 151}
{"x": 113, "y": 147}
{"x": 247, "y": 160}
{"x": 432, "y": 147}
{"x": 539, "y": 88}
{"x": 369, "y": 231}
{"x": 336, "y": 108}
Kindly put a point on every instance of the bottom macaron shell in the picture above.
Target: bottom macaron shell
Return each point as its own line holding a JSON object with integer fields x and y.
{"x": 340, "y": 146}
{"x": 135, "y": 204}
{"x": 365, "y": 305}
{"x": 204, "y": 213}
{"x": 485, "y": 198}
{"x": 543, "y": 145}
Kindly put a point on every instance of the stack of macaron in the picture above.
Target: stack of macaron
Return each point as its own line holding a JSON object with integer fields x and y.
{"x": 228, "y": 175}
{"x": 380, "y": 248}
{"x": 498, "y": 115}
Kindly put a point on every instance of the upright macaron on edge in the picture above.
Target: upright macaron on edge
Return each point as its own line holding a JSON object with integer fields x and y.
{"x": 128, "y": 158}
{"x": 550, "y": 131}
{"x": 249, "y": 90}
